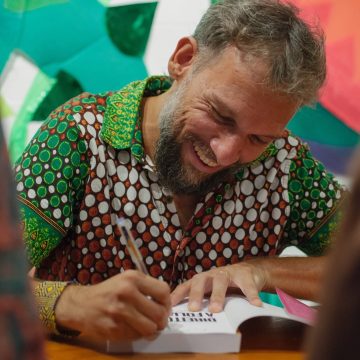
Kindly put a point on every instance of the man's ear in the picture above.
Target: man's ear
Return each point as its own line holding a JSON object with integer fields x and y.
{"x": 183, "y": 57}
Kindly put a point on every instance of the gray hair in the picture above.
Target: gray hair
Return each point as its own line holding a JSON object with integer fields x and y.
{"x": 271, "y": 31}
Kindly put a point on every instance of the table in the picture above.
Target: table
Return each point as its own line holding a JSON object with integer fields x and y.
{"x": 262, "y": 338}
{"x": 56, "y": 350}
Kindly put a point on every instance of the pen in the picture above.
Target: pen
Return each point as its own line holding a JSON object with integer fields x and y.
{"x": 131, "y": 246}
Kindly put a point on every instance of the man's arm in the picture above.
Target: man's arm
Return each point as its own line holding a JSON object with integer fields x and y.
{"x": 127, "y": 306}
{"x": 299, "y": 276}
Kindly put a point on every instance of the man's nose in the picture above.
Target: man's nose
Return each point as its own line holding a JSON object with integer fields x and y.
{"x": 227, "y": 148}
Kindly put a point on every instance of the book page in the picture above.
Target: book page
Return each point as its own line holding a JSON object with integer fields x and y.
{"x": 182, "y": 320}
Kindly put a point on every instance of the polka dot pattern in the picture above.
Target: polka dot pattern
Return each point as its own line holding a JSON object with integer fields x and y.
{"x": 256, "y": 214}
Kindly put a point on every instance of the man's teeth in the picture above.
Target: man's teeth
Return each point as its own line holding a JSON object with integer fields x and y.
{"x": 203, "y": 156}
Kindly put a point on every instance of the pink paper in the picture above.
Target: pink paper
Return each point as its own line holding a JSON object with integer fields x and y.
{"x": 297, "y": 308}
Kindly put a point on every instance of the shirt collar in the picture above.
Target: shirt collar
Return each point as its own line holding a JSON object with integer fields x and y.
{"x": 121, "y": 127}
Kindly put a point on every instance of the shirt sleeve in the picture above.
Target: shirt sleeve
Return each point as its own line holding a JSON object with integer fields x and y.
{"x": 50, "y": 177}
{"x": 315, "y": 205}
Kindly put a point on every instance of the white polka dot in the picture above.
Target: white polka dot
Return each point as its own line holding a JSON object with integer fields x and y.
{"x": 215, "y": 238}
{"x": 154, "y": 230}
{"x": 279, "y": 143}
{"x": 152, "y": 246}
{"x": 175, "y": 220}
{"x": 259, "y": 182}
{"x": 166, "y": 251}
{"x": 108, "y": 229}
{"x": 266, "y": 232}
{"x": 129, "y": 209}
{"x": 249, "y": 201}
{"x": 277, "y": 229}
{"x": 213, "y": 255}
{"x": 239, "y": 205}
{"x": 91, "y": 130}
{"x": 131, "y": 193}
{"x": 102, "y": 242}
{"x": 275, "y": 184}
{"x": 93, "y": 146}
{"x": 96, "y": 221}
{"x": 110, "y": 167}
{"x": 281, "y": 155}
{"x": 106, "y": 192}
{"x": 262, "y": 195}
{"x": 98, "y": 255}
{"x": 269, "y": 162}
{"x": 227, "y": 222}
{"x": 251, "y": 215}
{"x": 285, "y": 181}
{"x": 64, "y": 199}
{"x": 275, "y": 198}
{"x": 83, "y": 215}
{"x": 309, "y": 224}
{"x": 122, "y": 173}
{"x": 271, "y": 175}
{"x": 227, "y": 253}
{"x": 133, "y": 176}
{"x": 31, "y": 194}
{"x": 229, "y": 206}
{"x": 90, "y": 235}
{"x": 163, "y": 264}
{"x": 93, "y": 163}
{"x": 241, "y": 251}
{"x": 285, "y": 166}
{"x": 116, "y": 204}
{"x": 217, "y": 222}
{"x": 144, "y": 195}
{"x": 44, "y": 203}
{"x": 124, "y": 157}
{"x": 200, "y": 237}
{"x": 254, "y": 250}
{"x": 292, "y": 141}
{"x": 20, "y": 186}
{"x": 320, "y": 214}
{"x": 142, "y": 211}
{"x": 96, "y": 185}
{"x": 240, "y": 234}
{"x": 26, "y": 172}
{"x": 110, "y": 264}
{"x": 143, "y": 179}
{"x": 38, "y": 180}
{"x": 57, "y": 213}
{"x": 264, "y": 216}
{"x": 119, "y": 189}
{"x": 149, "y": 260}
{"x": 84, "y": 250}
{"x": 257, "y": 169}
{"x": 155, "y": 217}
{"x": 247, "y": 187}
{"x": 100, "y": 171}
{"x": 99, "y": 117}
{"x": 238, "y": 220}
{"x": 199, "y": 254}
{"x": 276, "y": 213}
{"x": 225, "y": 238}
{"x": 266, "y": 247}
{"x": 140, "y": 227}
{"x": 285, "y": 196}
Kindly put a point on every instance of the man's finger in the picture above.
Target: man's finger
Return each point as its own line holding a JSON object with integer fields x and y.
{"x": 221, "y": 281}
{"x": 247, "y": 285}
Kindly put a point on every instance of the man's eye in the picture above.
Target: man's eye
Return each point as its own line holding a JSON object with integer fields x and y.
{"x": 221, "y": 118}
{"x": 258, "y": 140}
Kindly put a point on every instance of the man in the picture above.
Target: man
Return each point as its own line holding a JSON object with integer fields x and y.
{"x": 201, "y": 168}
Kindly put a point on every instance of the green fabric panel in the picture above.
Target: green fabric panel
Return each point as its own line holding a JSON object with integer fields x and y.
{"x": 129, "y": 26}
{"x": 319, "y": 125}
{"x": 40, "y": 87}
{"x": 26, "y": 5}
{"x": 64, "y": 88}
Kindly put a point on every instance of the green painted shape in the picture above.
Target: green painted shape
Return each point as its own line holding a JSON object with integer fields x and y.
{"x": 38, "y": 90}
{"x": 104, "y": 2}
{"x": 319, "y": 125}
{"x": 129, "y": 26}
{"x": 27, "y": 5}
{"x": 269, "y": 298}
{"x": 65, "y": 87}
{"x": 5, "y": 109}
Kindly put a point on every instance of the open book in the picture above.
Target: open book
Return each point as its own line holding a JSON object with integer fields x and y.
{"x": 203, "y": 332}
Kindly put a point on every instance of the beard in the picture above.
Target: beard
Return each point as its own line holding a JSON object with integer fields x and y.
{"x": 173, "y": 174}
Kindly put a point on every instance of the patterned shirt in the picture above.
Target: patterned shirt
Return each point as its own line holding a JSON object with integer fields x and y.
{"x": 20, "y": 330}
{"x": 86, "y": 166}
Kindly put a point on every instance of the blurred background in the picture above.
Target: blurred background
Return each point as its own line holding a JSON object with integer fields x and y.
{"x": 51, "y": 50}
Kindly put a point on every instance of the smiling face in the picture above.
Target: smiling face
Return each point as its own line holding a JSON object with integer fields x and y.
{"x": 215, "y": 120}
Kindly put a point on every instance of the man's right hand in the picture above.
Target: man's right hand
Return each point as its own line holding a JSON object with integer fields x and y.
{"x": 127, "y": 306}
